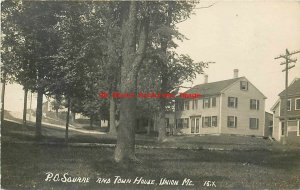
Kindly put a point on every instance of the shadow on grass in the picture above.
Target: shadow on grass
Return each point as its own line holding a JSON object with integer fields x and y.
{"x": 24, "y": 165}
{"x": 275, "y": 160}
{"x": 8, "y": 115}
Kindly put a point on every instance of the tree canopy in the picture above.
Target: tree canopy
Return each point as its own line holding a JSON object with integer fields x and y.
{"x": 74, "y": 50}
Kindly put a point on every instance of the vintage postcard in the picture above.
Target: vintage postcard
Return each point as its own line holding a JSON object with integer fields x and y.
{"x": 150, "y": 95}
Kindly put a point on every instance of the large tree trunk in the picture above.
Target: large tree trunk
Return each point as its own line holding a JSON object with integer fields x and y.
{"x": 91, "y": 120}
{"x": 2, "y": 98}
{"x": 155, "y": 122}
{"x": 56, "y": 113}
{"x": 25, "y": 107}
{"x": 161, "y": 123}
{"x": 164, "y": 82}
{"x": 114, "y": 61}
{"x": 149, "y": 126}
{"x": 39, "y": 113}
{"x": 68, "y": 120}
{"x": 100, "y": 117}
{"x": 30, "y": 106}
{"x": 162, "y": 113}
{"x": 132, "y": 60}
{"x": 126, "y": 132}
{"x": 112, "y": 118}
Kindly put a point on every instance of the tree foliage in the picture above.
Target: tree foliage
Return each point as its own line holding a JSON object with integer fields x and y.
{"x": 74, "y": 50}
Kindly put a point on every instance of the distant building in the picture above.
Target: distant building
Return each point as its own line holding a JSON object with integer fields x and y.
{"x": 293, "y": 113}
{"x": 233, "y": 106}
{"x": 150, "y": 125}
{"x": 268, "y": 124}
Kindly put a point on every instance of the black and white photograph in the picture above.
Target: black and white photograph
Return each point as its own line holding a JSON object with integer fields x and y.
{"x": 150, "y": 94}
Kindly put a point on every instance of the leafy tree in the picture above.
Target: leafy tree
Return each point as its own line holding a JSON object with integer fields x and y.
{"x": 132, "y": 59}
{"x": 57, "y": 104}
{"x": 31, "y": 37}
{"x": 14, "y": 65}
{"x": 168, "y": 15}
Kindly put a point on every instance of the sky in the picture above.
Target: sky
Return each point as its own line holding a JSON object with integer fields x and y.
{"x": 247, "y": 36}
{"x": 244, "y": 35}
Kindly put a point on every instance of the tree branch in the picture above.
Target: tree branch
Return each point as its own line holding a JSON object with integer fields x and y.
{"x": 142, "y": 44}
{"x": 206, "y": 7}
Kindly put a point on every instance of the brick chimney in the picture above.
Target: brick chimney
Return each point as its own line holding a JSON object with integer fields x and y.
{"x": 205, "y": 79}
{"x": 235, "y": 73}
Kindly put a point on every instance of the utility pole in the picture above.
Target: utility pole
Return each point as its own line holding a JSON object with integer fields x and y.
{"x": 288, "y": 60}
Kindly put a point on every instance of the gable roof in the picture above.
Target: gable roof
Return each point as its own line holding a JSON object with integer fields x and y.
{"x": 293, "y": 88}
{"x": 273, "y": 108}
{"x": 212, "y": 88}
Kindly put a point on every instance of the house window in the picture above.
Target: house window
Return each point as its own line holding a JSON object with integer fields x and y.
{"x": 195, "y": 104}
{"x": 244, "y": 85}
{"x": 214, "y": 121}
{"x": 232, "y": 121}
{"x": 186, "y": 123}
{"x": 179, "y": 123}
{"x": 178, "y": 105}
{"x": 297, "y": 104}
{"x": 206, "y": 103}
{"x": 289, "y": 104}
{"x": 254, "y": 104}
{"x": 206, "y": 122}
{"x": 253, "y": 123}
{"x": 232, "y": 102}
{"x": 213, "y": 102}
{"x": 181, "y": 106}
{"x": 186, "y": 105}
{"x": 282, "y": 128}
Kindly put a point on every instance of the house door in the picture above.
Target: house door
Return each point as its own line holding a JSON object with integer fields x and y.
{"x": 195, "y": 125}
{"x": 192, "y": 125}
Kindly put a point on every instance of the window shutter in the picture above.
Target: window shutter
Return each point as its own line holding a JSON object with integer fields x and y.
{"x": 202, "y": 122}
{"x": 250, "y": 103}
{"x": 257, "y": 104}
{"x": 228, "y": 102}
{"x": 297, "y": 104}
{"x": 235, "y": 121}
{"x": 209, "y": 102}
{"x": 257, "y": 123}
{"x": 187, "y": 121}
{"x": 236, "y": 102}
{"x": 228, "y": 121}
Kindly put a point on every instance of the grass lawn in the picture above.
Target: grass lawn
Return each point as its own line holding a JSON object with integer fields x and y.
{"x": 24, "y": 166}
